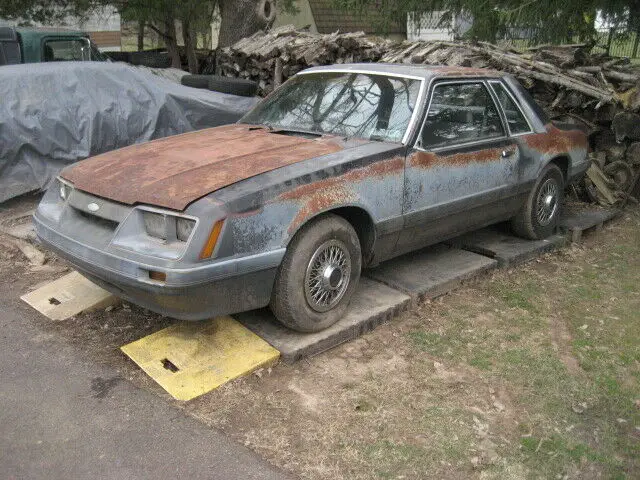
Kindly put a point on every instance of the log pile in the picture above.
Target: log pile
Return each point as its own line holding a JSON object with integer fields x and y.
{"x": 569, "y": 81}
{"x": 255, "y": 57}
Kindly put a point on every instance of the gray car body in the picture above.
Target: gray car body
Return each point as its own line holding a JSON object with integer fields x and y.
{"x": 397, "y": 197}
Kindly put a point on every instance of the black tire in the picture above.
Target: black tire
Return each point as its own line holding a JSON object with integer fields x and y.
{"x": 294, "y": 284}
{"x": 118, "y": 56}
{"x": 196, "y": 81}
{"x": 233, "y": 86}
{"x": 150, "y": 59}
{"x": 527, "y": 223}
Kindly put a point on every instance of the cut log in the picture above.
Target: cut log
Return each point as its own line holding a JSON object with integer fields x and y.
{"x": 626, "y": 125}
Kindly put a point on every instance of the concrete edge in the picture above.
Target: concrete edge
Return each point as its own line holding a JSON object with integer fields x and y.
{"x": 443, "y": 288}
{"x": 348, "y": 334}
{"x": 552, "y": 243}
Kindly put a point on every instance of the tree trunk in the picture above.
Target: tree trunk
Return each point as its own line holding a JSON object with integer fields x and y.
{"x": 189, "y": 46}
{"x": 140, "y": 35}
{"x": 243, "y": 18}
{"x": 171, "y": 42}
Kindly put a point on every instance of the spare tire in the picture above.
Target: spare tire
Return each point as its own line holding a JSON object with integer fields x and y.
{"x": 196, "y": 81}
{"x": 233, "y": 86}
{"x": 150, "y": 59}
{"x": 118, "y": 56}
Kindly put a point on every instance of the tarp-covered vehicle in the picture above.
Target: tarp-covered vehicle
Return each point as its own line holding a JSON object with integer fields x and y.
{"x": 54, "y": 114}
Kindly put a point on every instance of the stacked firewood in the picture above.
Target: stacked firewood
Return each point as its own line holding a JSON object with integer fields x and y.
{"x": 571, "y": 83}
{"x": 292, "y": 50}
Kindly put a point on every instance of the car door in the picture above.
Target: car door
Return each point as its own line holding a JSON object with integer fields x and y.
{"x": 463, "y": 167}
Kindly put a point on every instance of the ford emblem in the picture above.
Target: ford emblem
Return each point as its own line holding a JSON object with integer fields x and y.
{"x": 93, "y": 207}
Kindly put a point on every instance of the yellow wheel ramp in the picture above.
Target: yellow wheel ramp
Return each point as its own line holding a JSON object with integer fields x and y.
{"x": 190, "y": 359}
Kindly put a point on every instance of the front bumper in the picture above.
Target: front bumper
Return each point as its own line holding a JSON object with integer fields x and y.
{"x": 196, "y": 293}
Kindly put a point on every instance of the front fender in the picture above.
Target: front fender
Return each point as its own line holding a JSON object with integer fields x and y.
{"x": 375, "y": 188}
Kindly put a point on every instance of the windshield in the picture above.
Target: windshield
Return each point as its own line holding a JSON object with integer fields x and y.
{"x": 362, "y": 105}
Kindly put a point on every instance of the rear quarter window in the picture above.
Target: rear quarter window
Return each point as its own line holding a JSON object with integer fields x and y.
{"x": 517, "y": 122}
{"x": 526, "y": 96}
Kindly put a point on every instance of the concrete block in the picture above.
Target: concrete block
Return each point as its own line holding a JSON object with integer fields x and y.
{"x": 69, "y": 296}
{"x": 507, "y": 249}
{"x": 431, "y": 272}
{"x": 372, "y": 304}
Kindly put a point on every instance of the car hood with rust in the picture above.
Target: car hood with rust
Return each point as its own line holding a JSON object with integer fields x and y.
{"x": 173, "y": 172}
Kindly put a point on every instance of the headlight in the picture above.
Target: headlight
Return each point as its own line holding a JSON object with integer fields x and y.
{"x": 159, "y": 225}
{"x": 155, "y": 224}
{"x": 184, "y": 227}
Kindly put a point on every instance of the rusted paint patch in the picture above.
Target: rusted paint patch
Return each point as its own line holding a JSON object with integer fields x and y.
{"x": 430, "y": 159}
{"x": 378, "y": 169}
{"x": 174, "y": 171}
{"x": 556, "y": 141}
{"x": 321, "y": 201}
{"x": 333, "y": 192}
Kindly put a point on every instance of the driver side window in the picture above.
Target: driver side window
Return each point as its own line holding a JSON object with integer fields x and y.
{"x": 460, "y": 113}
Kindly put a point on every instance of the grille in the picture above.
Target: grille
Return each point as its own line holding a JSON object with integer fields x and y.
{"x": 99, "y": 221}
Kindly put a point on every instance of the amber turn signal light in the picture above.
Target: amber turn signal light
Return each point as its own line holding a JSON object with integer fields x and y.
{"x": 208, "y": 248}
{"x": 157, "y": 276}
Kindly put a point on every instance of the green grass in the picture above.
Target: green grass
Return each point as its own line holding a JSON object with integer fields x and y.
{"x": 576, "y": 417}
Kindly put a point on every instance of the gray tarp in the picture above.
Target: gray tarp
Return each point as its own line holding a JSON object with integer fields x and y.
{"x": 54, "y": 114}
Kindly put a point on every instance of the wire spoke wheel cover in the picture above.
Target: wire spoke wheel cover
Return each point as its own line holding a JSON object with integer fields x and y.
{"x": 547, "y": 202}
{"x": 327, "y": 276}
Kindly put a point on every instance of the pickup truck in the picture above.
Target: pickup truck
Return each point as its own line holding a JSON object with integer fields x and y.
{"x": 34, "y": 45}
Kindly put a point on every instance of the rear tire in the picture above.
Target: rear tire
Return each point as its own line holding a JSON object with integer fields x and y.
{"x": 150, "y": 59}
{"x": 195, "y": 81}
{"x": 118, "y": 56}
{"x": 233, "y": 86}
{"x": 318, "y": 275}
{"x": 539, "y": 215}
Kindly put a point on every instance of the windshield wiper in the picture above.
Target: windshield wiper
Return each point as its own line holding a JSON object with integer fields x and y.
{"x": 377, "y": 138}
{"x": 288, "y": 131}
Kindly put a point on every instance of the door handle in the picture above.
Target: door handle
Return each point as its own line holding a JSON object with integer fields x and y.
{"x": 508, "y": 153}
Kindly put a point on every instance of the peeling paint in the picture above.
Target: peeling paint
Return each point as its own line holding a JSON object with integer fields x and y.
{"x": 333, "y": 192}
{"x": 556, "y": 141}
{"x": 431, "y": 159}
{"x": 175, "y": 171}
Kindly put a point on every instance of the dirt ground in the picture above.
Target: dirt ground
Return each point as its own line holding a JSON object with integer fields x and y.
{"x": 527, "y": 373}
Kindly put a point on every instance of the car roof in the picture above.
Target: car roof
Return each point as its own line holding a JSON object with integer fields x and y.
{"x": 49, "y": 30}
{"x": 421, "y": 71}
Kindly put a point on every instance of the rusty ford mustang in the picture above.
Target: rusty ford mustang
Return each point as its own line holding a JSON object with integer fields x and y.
{"x": 340, "y": 168}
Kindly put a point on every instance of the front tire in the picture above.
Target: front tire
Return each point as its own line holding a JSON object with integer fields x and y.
{"x": 318, "y": 275}
{"x": 539, "y": 216}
